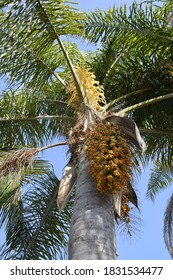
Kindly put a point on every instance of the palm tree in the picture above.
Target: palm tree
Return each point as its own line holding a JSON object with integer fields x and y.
{"x": 55, "y": 94}
{"x": 133, "y": 43}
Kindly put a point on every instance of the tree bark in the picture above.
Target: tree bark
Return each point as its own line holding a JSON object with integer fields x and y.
{"x": 92, "y": 232}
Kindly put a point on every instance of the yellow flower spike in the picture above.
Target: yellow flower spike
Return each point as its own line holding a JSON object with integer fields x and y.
{"x": 93, "y": 90}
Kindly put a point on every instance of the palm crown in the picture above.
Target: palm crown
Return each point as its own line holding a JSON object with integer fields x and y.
{"x": 48, "y": 96}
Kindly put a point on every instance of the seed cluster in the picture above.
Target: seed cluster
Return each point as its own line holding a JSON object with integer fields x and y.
{"x": 110, "y": 161}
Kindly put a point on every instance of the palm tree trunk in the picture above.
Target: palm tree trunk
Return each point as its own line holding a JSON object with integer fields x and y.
{"x": 92, "y": 233}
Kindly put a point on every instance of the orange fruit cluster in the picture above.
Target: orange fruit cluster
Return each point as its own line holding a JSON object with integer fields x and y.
{"x": 110, "y": 160}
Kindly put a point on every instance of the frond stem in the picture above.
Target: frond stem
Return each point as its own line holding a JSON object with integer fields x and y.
{"x": 156, "y": 131}
{"x": 53, "y": 100}
{"x": 35, "y": 56}
{"x": 143, "y": 104}
{"x": 44, "y": 117}
{"x": 111, "y": 67}
{"x": 66, "y": 56}
{"x": 52, "y": 146}
{"x": 49, "y": 68}
{"x": 110, "y": 104}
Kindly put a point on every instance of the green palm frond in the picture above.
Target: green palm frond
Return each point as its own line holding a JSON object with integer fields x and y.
{"x": 136, "y": 76}
{"x": 144, "y": 63}
{"x": 168, "y": 226}
{"x": 16, "y": 176}
{"x": 34, "y": 228}
{"x": 29, "y": 51}
{"x": 33, "y": 118}
{"x": 160, "y": 178}
{"x": 138, "y": 25}
{"x": 158, "y": 134}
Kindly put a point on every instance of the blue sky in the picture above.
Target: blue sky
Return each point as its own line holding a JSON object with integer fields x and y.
{"x": 149, "y": 244}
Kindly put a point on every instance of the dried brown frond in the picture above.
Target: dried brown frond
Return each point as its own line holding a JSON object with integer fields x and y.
{"x": 15, "y": 161}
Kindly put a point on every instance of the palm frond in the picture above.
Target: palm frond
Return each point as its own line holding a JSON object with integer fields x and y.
{"x": 28, "y": 50}
{"x": 15, "y": 161}
{"x": 30, "y": 118}
{"x": 159, "y": 145}
{"x": 160, "y": 178}
{"x": 168, "y": 226}
{"x": 34, "y": 228}
{"x": 12, "y": 184}
{"x": 137, "y": 25}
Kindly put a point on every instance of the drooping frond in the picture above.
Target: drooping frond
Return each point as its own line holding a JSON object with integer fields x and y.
{"x": 16, "y": 160}
{"x": 161, "y": 177}
{"x": 34, "y": 228}
{"x": 158, "y": 134}
{"x": 168, "y": 226}
{"x": 11, "y": 186}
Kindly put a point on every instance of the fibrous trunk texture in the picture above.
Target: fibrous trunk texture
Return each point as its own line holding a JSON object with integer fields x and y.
{"x": 92, "y": 233}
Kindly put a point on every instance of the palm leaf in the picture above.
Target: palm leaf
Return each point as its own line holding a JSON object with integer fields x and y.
{"x": 33, "y": 118}
{"x": 161, "y": 177}
{"x": 29, "y": 33}
{"x": 13, "y": 183}
{"x": 158, "y": 136}
{"x": 138, "y": 26}
{"x": 34, "y": 228}
{"x": 168, "y": 226}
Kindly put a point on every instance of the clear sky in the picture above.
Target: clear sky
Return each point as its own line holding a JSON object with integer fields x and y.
{"x": 149, "y": 244}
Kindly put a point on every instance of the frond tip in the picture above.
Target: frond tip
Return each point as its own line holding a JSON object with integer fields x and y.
{"x": 160, "y": 178}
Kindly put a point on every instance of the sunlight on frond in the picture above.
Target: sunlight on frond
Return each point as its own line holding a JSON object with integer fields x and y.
{"x": 10, "y": 189}
{"x": 12, "y": 171}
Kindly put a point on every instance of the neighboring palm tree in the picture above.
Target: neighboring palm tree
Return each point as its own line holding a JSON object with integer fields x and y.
{"x": 55, "y": 94}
